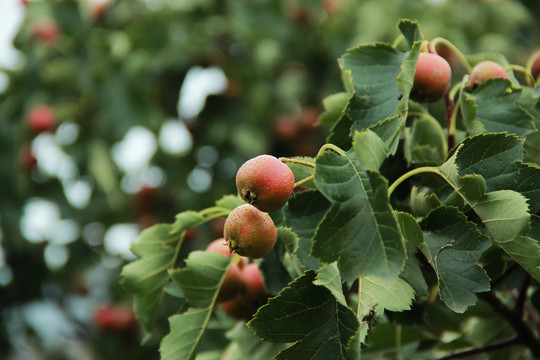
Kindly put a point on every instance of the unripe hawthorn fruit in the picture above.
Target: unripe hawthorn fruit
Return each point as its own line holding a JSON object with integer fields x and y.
{"x": 265, "y": 182}
{"x": 41, "y": 118}
{"x": 250, "y": 232}
{"x": 431, "y": 79}
{"x": 254, "y": 288}
{"x": 483, "y": 71}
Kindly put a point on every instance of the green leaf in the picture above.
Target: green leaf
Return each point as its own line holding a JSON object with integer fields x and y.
{"x": 394, "y": 296}
{"x": 382, "y": 78}
{"x": 410, "y": 228}
{"x": 302, "y": 213}
{"x": 230, "y": 202}
{"x": 282, "y": 265}
{"x": 374, "y": 70}
{"x": 455, "y": 246}
{"x": 251, "y": 346}
{"x": 425, "y": 141}
{"x": 301, "y": 172}
{"x": 496, "y": 157}
{"x": 157, "y": 248}
{"x": 359, "y": 230}
{"x": 526, "y": 249}
{"x": 493, "y": 107}
{"x": 308, "y": 315}
{"x": 147, "y": 277}
{"x": 369, "y": 149}
{"x": 504, "y": 213}
{"x": 412, "y": 273}
{"x": 199, "y": 281}
{"x": 333, "y": 108}
{"x": 376, "y": 295}
{"x": 329, "y": 276}
{"x": 410, "y": 31}
{"x": 422, "y": 203}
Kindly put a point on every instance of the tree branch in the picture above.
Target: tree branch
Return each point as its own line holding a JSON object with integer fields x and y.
{"x": 485, "y": 349}
{"x": 523, "y": 332}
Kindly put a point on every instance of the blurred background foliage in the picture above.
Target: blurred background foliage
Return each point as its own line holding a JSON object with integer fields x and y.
{"x": 156, "y": 103}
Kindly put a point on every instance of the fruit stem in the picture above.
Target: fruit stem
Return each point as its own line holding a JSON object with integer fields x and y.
{"x": 431, "y": 119}
{"x": 450, "y": 120}
{"x": 331, "y": 147}
{"x": 214, "y": 211}
{"x": 398, "y": 41}
{"x": 524, "y": 71}
{"x": 296, "y": 161}
{"x": 402, "y": 178}
{"x": 454, "y": 49}
{"x": 303, "y": 181}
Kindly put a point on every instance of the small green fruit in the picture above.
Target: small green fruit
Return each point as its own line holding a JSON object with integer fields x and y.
{"x": 250, "y": 232}
{"x": 265, "y": 182}
{"x": 431, "y": 79}
{"x": 483, "y": 71}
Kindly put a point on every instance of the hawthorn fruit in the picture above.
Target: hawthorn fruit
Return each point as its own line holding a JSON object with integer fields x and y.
{"x": 220, "y": 246}
{"x": 45, "y": 31}
{"x": 40, "y": 119}
{"x": 254, "y": 289}
{"x": 115, "y": 318}
{"x": 232, "y": 284}
{"x": 431, "y": 79}
{"x": 265, "y": 182}
{"x": 483, "y": 71}
{"x": 250, "y": 232}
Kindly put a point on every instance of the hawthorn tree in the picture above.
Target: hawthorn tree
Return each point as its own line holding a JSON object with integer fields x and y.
{"x": 413, "y": 233}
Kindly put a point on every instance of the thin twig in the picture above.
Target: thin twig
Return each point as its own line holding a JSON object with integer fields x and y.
{"x": 523, "y": 332}
{"x": 522, "y": 297}
{"x": 482, "y": 350}
{"x": 496, "y": 281}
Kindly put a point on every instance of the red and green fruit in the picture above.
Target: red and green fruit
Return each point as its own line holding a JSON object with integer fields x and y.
{"x": 483, "y": 71}
{"x": 265, "y": 182}
{"x": 254, "y": 288}
{"x": 232, "y": 284}
{"x": 40, "y": 119}
{"x": 220, "y": 246}
{"x": 250, "y": 232}
{"x": 431, "y": 79}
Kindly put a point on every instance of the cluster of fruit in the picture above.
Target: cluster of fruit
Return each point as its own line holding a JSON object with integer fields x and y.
{"x": 433, "y": 75}
{"x": 266, "y": 184}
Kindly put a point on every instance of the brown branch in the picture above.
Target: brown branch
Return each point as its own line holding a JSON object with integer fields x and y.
{"x": 523, "y": 333}
{"x": 488, "y": 348}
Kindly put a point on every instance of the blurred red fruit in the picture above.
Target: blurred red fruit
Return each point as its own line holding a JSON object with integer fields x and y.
{"x": 115, "y": 318}
{"x": 46, "y": 31}
{"x": 27, "y": 160}
{"x": 41, "y": 118}
{"x": 254, "y": 288}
